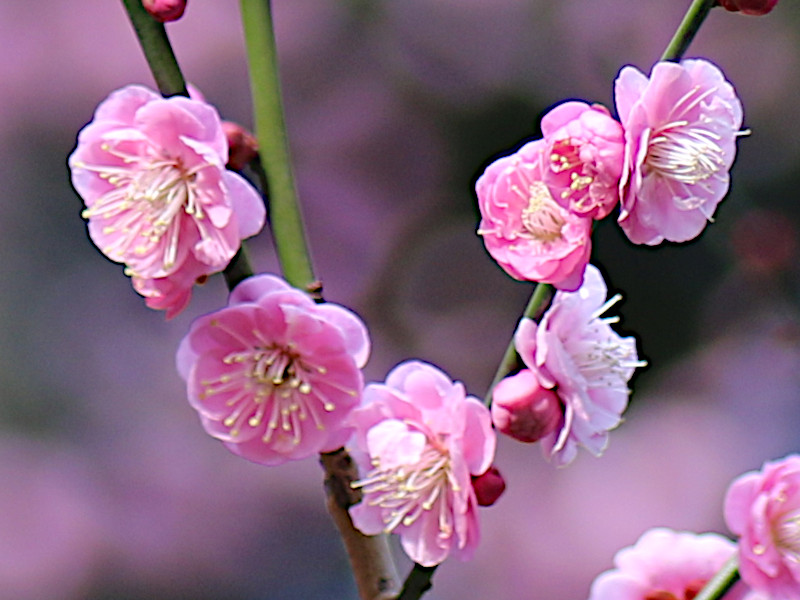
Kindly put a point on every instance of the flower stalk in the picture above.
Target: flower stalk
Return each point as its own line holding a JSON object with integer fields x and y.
{"x": 688, "y": 28}
{"x": 718, "y": 585}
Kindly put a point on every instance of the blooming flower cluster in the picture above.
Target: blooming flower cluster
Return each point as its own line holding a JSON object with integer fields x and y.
{"x": 666, "y": 162}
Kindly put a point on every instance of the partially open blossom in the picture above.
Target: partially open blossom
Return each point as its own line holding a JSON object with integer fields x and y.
{"x": 681, "y": 126}
{"x": 274, "y": 375}
{"x": 575, "y": 353}
{"x": 748, "y": 7}
{"x": 242, "y": 145}
{"x": 488, "y": 486}
{"x": 763, "y": 509}
{"x": 525, "y": 230}
{"x": 164, "y": 11}
{"x": 585, "y": 157}
{"x": 666, "y": 565}
{"x": 523, "y": 409}
{"x": 151, "y": 172}
{"x": 419, "y": 440}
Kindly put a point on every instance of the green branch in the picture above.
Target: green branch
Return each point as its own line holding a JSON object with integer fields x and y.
{"x": 686, "y": 31}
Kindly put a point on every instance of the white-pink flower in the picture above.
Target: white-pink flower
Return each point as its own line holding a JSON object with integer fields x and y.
{"x": 585, "y": 147}
{"x": 666, "y": 565}
{"x": 419, "y": 439}
{"x": 524, "y": 228}
{"x": 575, "y": 353}
{"x": 681, "y": 126}
{"x": 274, "y": 375}
{"x": 763, "y": 509}
{"x": 151, "y": 172}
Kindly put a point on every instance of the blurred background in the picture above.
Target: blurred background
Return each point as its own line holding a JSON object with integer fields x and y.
{"x": 111, "y": 490}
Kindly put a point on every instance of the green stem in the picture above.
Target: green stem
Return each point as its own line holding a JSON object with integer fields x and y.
{"x": 718, "y": 585}
{"x": 692, "y": 20}
{"x": 157, "y": 50}
{"x": 287, "y": 222}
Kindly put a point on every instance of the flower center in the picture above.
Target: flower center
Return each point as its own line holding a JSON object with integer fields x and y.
{"x": 565, "y": 157}
{"x": 787, "y": 534}
{"x": 542, "y": 217}
{"x": 692, "y": 589}
{"x": 407, "y": 491}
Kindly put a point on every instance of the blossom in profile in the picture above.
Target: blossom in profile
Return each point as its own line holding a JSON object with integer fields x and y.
{"x": 748, "y": 7}
{"x": 524, "y": 228}
{"x": 666, "y": 565}
{"x": 274, "y": 375}
{"x": 586, "y": 146}
{"x": 576, "y": 353}
{"x": 419, "y": 440}
{"x": 165, "y": 11}
{"x": 151, "y": 172}
{"x": 763, "y": 509}
{"x": 523, "y": 409}
{"x": 681, "y": 126}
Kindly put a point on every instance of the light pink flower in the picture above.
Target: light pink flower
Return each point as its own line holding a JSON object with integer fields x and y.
{"x": 680, "y": 127}
{"x": 523, "y": 227}
{"x": 585, "y": 157}
{"x": 763, "y": 508}
{"x": 665, "y": 565}
{"x": 151, "y": 171}
{"x": 575, "y": 353}
{"x": 274, "y": 375}
{"x": 419, "y": 439}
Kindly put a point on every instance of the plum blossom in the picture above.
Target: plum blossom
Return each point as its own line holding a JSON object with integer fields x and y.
{"x": 666, "y": 565}
{"x": 151, "y": 172}
{"x": 575, "y": 353}
{"x": 165, "y": 11}
{"x": 274, "y": 375}
{"x": 524, "y": 228}
{"x": 586, "y": 147}
{"x": 681, "y": 126}
{"x": 523, "y": 409}
{"x": 419, "y": 440}
{"x": 763, "y": 508}
{"x": 749, "y": 7}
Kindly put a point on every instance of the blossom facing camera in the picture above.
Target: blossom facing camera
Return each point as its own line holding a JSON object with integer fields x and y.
{"x": 576, "y": 354}
{"x": 666, "y": 565}
{"x": 274, "y": 375}
{"x": 681, "y": 126}
{"x": 586, "y": 146}
{"x": 763, "y": 509}
{"x": 419, "y": 440}
{"x": 748, "y": 7}
{"x": 165, "y": 11}
{"x": 524, "y": 228}
{"x": 151, "y": 172}
{"x": 523, "y": 409}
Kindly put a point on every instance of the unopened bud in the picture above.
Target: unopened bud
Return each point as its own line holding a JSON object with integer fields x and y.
{"x": 242, "y": 145}
{"x": 748, "y": 7}
{"x": 164, "y": 11}
{"x": 523, "y": 409}
{"x": 489, "y": 486}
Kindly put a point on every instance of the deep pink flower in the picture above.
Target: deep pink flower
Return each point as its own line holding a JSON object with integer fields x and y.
{"x": 419, "y": 439}
{"x": 665, "y": 565}
{"x": 763, "y": 508}
{"x": 165, "y": 11}
{"x": 151, "y": 171}
{"x": 680, "y": 127}
{"x": 274, "y": 375}
{"x": 523, "y": 409}
{"x": 575, "y": 353}
{"x": 749, "y": 7}
{"x": 523, "y": 227}
{"x": 586, "y": 148}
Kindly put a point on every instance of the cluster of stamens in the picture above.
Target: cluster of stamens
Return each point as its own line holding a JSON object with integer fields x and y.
{"x": 564, "y": 157}
{"x": 541, "y": 216}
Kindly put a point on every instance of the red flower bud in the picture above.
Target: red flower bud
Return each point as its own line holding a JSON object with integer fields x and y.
{"x": 489, "y": 486}
{"x": 524, "y": 410}
{"x": 748, "y": 7}
{"x": 242, "y": 145}
{"x": 165, "y": 10}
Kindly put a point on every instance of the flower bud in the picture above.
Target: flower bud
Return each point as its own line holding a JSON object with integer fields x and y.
{"x": 748, "y": 7}
{"x": 242, "y": 145}
{"x": 523, "y": 409}
{"x": 164, "y": 11}
{"x": 489, "y": 486}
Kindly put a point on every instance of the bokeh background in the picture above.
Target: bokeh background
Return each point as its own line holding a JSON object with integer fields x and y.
{"x": 110, "y": 490}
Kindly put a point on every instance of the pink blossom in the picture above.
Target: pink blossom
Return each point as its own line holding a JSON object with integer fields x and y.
{"x": 763, "y": 508}
{"x": 575, "y": 353}
{"x": 680, "y": 127}
{"x": 165, "y": 11}
{"x": 151, "y": 171}
{"x": 419, "y": 439}
{"x": 586, "y": 155}
{"x": 274, "y": 375}
{"x": 523, "y": 227}
{"x": 523, "y": 409}
{"x": 665, "y": 565}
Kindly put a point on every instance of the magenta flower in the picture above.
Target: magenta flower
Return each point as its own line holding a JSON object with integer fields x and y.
{"x": 763, "y": 508}
{"x": 523, "y": 409}
{"x": 523, "y": 227}
{"x": 749, "y": 7}
{"x": 680, "y": 127}
{"x": 576, "y": 354}
{"x": 665, "y": 565}
{"x": 151, "y": 171}
{"x": 419, "y": 439}
{"x": 274, "y": 375}
{"x": 586, "y": 147}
